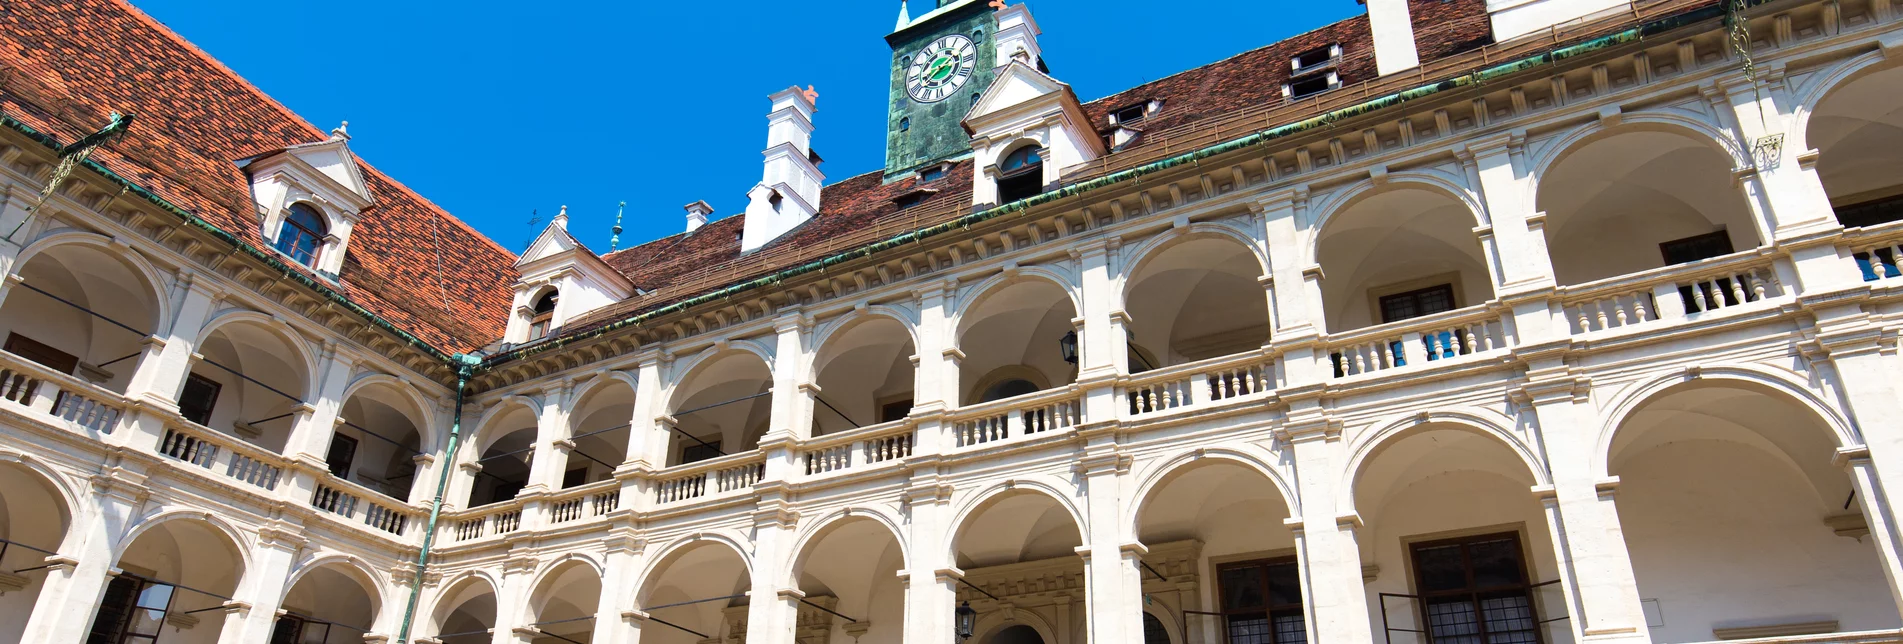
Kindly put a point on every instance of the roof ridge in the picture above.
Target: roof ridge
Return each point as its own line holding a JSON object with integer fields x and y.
{"x": 1219, "y": 61}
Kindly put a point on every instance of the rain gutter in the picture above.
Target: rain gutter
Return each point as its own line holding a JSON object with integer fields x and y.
{"x": 239, "y": 245}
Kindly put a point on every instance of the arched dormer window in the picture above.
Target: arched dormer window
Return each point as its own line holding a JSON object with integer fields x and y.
{"x": 542, "y": 315}
{"x": 1020, "y": 175}
{"x": 302, "y": 233}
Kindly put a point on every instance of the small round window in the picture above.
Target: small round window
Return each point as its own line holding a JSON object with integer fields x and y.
{"x": 978, "y": 35}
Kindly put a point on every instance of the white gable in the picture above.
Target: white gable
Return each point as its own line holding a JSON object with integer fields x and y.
{"x": 1015, "y": 85}
{"x": 553, "y": 241}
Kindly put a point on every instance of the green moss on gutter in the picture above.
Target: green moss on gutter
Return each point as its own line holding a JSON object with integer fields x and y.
{"x": 1479, "y": 77}
{"x": 239, "y": 245}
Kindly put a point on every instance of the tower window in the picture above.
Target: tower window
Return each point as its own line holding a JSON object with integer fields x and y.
{"x": 303, "y": 229}
{"x": 978, "y": 35}
{"x": 905, "y": 124}
{"x": 543, "y": 315}
{"x": 775, "y": 200}
{"x": 1021, "y": 175}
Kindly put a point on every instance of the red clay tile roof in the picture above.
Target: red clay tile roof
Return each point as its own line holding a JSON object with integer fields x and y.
{"x": 862, "y": 204}
{"x": 66, "y": 65}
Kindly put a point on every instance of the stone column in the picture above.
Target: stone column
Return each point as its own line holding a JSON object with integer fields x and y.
{"x": 512, "y": 601}
{"x": 160, "y": 375}
{"x": 253, "y": 610}
{"x": 1789, "y": 205}
{"x": 1602, "y": 595}
{"x": 1336, "y": 599}
{"x": 1879, "y": 513}
{"x": 1114, "y": 592}
{"x": 792, "y": 390}
{"x": 773, "y": 606}
{"x": 936, "y": 383}
{"x": 69, "y": 596}
{"x": 1101, "y": 344}
{"x": 930, "y": 580}
{"x": 310, "y": 438}
{"x": 625, "y": 555}
{"x": 1514, "y": 238}
{"x": 647, "y": 435}
{"x": 551, "y": 429}
{"x": 1294, "y": 286}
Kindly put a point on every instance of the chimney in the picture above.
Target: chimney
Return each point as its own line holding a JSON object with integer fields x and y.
{"x": 788, "y": 192}
{"x": 1393, "y": 29}
{"x": 697, "y": 213}
{"x": 1017, "y": 33}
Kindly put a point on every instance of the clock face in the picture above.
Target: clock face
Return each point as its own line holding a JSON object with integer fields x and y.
{"x": 939, "y": 69}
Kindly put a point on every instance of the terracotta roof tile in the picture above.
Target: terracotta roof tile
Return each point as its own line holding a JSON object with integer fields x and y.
{"x": 68, "y": 64}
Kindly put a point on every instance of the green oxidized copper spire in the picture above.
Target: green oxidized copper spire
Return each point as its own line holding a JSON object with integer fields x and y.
{"x": 614, "y": 242}
{"x": 905, "y": 18}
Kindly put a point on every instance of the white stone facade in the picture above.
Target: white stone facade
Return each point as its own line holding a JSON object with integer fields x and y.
{"x": 1680, "y": 452}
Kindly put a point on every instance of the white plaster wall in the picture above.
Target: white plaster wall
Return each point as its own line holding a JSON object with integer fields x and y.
{"x": 1704, "y": 515}
{"x": 1514, "y": 18}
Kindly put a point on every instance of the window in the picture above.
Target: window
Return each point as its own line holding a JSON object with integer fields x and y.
{"x": 301, "y": 233}
{"x": 196, "y": 401}
{"x": 1475, "y": 590}
{"x": 1021, "y": 175}
{"x": 1414, "y": 304}
{"x": 1153, "y": 631}
{"x": 1314, "y": 58}
{"x": 46, "y": 356}
{"x": 978, "y": 35}
{"x": 775, "y": 200}
{"x": 1131, "y": 114}
{"x": 292, "y": 628}
{"x": 574, "y": 477}
{"x": 1312, "y": 86}
{"x": 131, "y": 612}
{"x": 905, "y": 124}
{"x": 543, "y": 315}
{"x": 913, "y": 199}
{"x": 1262, "y": 602}
{"x": 933, "y": 173}
{"x": 1871, "y": 213}
{"x": 700, "y": 450}
{"x": 896, "y": 410}
{"x": 343, "y": 450}
{"x": 505, "y": 491}
{"x": 1692, "y": 249}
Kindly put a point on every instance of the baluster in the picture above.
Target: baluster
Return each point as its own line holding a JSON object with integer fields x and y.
{"x": 1698, "y": 298}
{"x": 1737, "y": 289}
{"x": 1618, "y": 312}
{"x": 1757, "y": 284}
{"x": 1600, "y": 308}
{"x": 1638, "y": 307}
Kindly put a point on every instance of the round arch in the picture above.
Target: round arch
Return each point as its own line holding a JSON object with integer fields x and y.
{"x": 1138, "y": 256}
{"x": 546, "y": 588}
{"x": 1162, "y": 471}
{"x": 270, "y": 325}
{"x": 688, "y": 368}
{"x": 352, "y": 568}
{"x": 457, "y": 592}
{"x": 486, "y": 426}
{"x": 1687, "y": 124}
{"x": 1326, "y": 212}
{"x": 72, "y": 511}
{"x": 1753, "y": 377}
{"x": 233, "y": 536}
{"x": 1478, "y": 423}
{"x": 682, "y": 545}
{"x": 969, "y": 298}
{"x": 996, "y": 621}
{"x": 856, "y": 317}
{"x": 124, "y": 254}
{"x": 826, "y": 523}
{"x": 990, "y": 495}
{"x": 1819, "y": 86}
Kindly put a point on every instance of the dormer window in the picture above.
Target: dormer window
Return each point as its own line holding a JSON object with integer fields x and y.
{"x": 542, "y": 315}
{"x": 302, "y": 234}
{"x": 775, "y": 201}
{"x": 1131, "y": 114}
{"x": 913, "y": 198}
{"x": 1315, "y": 59}
{"x": 1021, "y": 175}
{"x": 1311, "y": 86}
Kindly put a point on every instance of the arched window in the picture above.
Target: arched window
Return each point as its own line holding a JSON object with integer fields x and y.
{"x": 1020, "y": 175}
{"x": 301, "y": 233}
{"x": 544, "y": 313}
{"x": 905, "y": 124}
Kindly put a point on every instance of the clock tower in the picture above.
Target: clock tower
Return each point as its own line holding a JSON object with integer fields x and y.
{"x": 941, "y": 61}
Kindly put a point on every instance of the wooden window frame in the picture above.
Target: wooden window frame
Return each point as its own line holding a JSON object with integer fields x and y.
{"x": 349, "y": 460}
{"x": 41, "y": 353}
{"x": 211, "y": 406}
{"x": 1268, "y": 610}
{"x": 1381, "y": 302}
{"x": 1412, "y": 548}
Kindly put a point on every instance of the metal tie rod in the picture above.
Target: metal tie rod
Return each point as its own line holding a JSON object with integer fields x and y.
{"x": 768, "y": 392}
{"x": 829, "y": 610}
{"x": 88, "y": 311}
{"x": 252, "y": 380}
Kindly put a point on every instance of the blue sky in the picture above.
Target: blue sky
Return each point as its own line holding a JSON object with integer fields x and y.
{"x": 497, "y": 109}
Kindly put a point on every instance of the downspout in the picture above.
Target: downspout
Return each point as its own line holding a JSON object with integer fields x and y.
{"x": 465, "y": 365}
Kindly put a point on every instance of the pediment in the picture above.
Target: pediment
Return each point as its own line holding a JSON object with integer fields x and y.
{"x": 1016, "y": 84}
{"x": 329, "y": 164}
{"x": 553, "y": 241}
